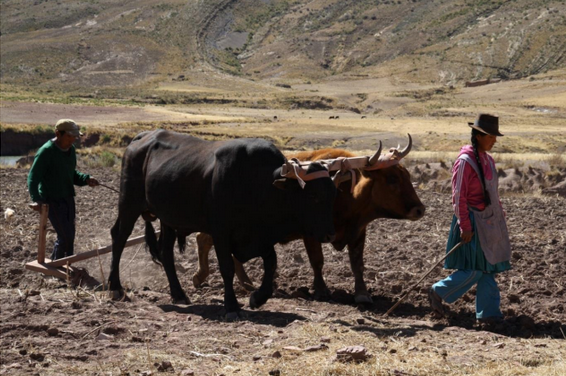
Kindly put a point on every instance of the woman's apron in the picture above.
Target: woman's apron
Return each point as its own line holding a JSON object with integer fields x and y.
{"x": 490, "y": 222}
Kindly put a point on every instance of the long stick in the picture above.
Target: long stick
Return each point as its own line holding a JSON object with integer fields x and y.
{"x": 423, "y": 277}
{"x": 105, "y": 186}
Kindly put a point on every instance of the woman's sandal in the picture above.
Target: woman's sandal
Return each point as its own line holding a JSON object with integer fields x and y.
{"x": 435, "y": 302}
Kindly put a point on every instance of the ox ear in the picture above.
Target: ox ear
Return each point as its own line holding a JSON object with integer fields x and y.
{"x": 286, "y": 184}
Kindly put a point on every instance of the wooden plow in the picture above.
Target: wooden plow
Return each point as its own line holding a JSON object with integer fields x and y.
{"x": 62, "y": 267}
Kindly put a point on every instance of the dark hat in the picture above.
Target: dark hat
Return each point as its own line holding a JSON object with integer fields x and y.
{"x": 68, "y": 126}
{"x": 487, "y": 124}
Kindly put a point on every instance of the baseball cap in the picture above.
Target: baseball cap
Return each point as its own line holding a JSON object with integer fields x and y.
{"x": 69, "y": 126}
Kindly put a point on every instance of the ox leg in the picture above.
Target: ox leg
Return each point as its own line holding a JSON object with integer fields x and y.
{"x": 204, "y": 245}
{"x": 356, "y": 253}
{"x": 265, "y": 291}
{"x": 243, "y": 278}
{"x": 168, "y": 237}
{"x": 226, "y": 265}
{"x": 120, "y": 233}
{"x": 316, "y": 258}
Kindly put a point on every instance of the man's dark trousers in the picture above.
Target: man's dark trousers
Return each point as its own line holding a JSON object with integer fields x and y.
{"x": 62, "y": 217}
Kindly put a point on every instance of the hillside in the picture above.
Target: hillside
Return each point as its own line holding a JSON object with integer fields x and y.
{"x": 419, "y": 41}
{"x": 80, "y": 45}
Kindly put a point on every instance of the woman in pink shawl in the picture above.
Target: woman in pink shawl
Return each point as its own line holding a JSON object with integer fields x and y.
{"x": 479, "y": 223}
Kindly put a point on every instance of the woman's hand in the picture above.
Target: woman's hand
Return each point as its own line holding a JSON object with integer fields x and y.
{"x": 466, "y": 236}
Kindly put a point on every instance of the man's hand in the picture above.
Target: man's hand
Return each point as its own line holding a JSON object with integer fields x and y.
{"x": 92, "y": 182}
{"x": 35, "y": 206}
{"x": 467, "y": 236}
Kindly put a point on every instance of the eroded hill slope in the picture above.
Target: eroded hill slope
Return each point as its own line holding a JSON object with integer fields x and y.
{"x": 115, "y": 44}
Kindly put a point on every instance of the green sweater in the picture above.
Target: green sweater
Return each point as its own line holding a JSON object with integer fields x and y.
{"x": 52, "y": 175}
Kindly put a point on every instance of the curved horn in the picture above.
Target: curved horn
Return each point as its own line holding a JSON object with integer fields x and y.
{"x": 403, "y": 153}
{"x": 375, "y": 157}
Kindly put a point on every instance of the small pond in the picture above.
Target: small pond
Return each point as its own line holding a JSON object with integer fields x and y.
{"x": 9, "y": 160}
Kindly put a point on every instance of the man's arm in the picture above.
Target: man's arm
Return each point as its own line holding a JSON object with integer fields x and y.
{"x": 80, "y": 179}
{"x": 36, "y": 175}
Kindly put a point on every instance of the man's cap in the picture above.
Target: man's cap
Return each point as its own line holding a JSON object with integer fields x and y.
{"x": 487, "y": 124}
{"x": 69, "y": 126}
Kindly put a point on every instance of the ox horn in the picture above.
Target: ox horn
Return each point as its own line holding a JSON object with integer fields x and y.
{"x": 373, "y": 159}
{"x": 403, "y": 153}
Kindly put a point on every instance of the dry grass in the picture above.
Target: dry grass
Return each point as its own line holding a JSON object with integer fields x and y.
{"x": 437, "y": 353}
{"x": 556, "y": 160}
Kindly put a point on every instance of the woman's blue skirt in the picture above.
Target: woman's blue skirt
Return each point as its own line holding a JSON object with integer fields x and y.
{"x": 470, "y": 255}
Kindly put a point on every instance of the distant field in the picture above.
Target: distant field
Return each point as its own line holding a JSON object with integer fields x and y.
{"x": 345, "y": 112}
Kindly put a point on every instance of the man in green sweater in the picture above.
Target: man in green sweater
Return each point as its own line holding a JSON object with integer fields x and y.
{"x": 51, "y": 181}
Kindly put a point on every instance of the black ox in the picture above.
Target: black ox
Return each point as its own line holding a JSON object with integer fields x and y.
{"x": 233, "y": 190}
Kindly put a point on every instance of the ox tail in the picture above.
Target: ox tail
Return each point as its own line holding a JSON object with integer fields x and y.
{"x": 152, "y": 243}
{"x": 181, "y": 241}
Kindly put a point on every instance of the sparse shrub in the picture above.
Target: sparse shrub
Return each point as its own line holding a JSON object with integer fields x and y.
{"x": 107, "y": 159}
{"x": 38, "y": 129}
{"x": 105, "y": 139}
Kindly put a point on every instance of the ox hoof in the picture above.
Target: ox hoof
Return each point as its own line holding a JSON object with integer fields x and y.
{"x": 257, "y": 301}
{"x": 196, "y": 281}
{"x": 363, "y": 299}
{"x": 117, "y": 294}
{"x": 184, "y": 301}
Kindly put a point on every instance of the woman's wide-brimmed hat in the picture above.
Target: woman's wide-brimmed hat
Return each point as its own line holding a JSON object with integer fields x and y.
{"x": 488, "y": 124}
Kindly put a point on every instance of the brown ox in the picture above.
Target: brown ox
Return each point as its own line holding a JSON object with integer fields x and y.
{"x": 380, "y": 193}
